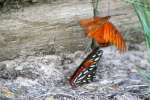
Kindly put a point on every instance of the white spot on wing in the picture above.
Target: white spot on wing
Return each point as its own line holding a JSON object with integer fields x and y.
{"x": 91, "y": 69}
{"x": 84, "y": 81}
{"x": 96, "y": 59}
{"x": 86, "y": 71}
{"x": 99, "y": 54}
{"x": 89, "y": 75}
{"x": 92, "y": 66}
{"x": 94, "y": 56}
{"x": 80, "y": 74}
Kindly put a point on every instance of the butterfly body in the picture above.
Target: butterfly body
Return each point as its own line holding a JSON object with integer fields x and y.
{"x": 103, "y": 32}
{"x": 85, "y": 73}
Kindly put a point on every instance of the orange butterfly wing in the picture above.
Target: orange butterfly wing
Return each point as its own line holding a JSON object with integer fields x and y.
{"x": 91, "y": 24}
{"x": 103, "y": 31}
{"x": 113, "y": 36}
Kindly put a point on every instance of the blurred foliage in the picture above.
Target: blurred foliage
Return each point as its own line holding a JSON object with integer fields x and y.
{"x": 142, "y": 9}
{"x": 145, "y": 4}
{"x": 143, "y": 15}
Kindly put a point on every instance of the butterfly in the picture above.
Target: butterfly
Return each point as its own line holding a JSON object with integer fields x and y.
{"x": 103, "y": 32}
{"x": 85, "y": 73}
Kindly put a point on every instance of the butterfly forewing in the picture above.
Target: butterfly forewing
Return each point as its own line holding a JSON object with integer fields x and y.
{"x": 85, "y": 73}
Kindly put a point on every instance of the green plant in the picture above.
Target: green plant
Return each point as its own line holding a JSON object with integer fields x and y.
{"x": 144, "y": 20}
{"x": 142, "y": 8}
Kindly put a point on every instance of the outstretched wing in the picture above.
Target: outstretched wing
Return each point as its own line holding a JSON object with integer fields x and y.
{"x": 113, "y": 36}
{"x": 103, "y": 31}
{"x": 85, "y": 73}
{"x": 91, "y": 24}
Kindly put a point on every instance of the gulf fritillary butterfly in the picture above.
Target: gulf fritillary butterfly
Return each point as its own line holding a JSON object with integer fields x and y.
{"x": 103, "y": 32}
{"x": 85, "y": 73}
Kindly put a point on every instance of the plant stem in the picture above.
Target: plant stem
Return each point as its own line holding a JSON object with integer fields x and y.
{"x": 95, "y": 11}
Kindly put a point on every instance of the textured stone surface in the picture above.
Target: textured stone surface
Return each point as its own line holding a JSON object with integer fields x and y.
{"x": 43, "y": 29}
{"x": 53, "y": 28}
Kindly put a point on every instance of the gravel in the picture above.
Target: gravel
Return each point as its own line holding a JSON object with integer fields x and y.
{"x": 46, "y": 77}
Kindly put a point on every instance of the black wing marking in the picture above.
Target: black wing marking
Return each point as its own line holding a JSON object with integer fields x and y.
{"x": 86, "y": 74}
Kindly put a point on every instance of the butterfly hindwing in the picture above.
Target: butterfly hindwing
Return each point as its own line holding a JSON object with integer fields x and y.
{"x": 85, "y": 73}
{"x": 87, "y": 77}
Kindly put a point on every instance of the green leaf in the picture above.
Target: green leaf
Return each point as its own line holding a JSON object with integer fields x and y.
{"x": 142, "y": 14}
{"x": 143, "y": 3}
